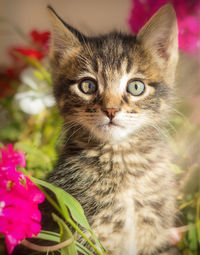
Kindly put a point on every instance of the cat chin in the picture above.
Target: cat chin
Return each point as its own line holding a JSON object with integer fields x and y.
{"x": 111, "y": 133}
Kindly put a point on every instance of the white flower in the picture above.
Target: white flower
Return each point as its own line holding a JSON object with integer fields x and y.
{"x": 34, "y": 95}
{"x": 33, "y": 102}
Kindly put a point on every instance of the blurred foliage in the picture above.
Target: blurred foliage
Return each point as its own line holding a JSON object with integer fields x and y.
{"x": 184, "y": 142}
{"x": 36, "y": 135}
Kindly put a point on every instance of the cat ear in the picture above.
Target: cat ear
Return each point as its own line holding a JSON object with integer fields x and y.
{"x": 64, "y": 38}
{"x": 160, "y": 36}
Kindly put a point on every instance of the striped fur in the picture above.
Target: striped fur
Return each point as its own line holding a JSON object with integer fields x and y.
{"x": 119, "y": 173}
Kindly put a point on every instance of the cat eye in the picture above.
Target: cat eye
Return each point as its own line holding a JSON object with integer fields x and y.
{"x": 136, "y": 88}
{"x": 88, "y": 86}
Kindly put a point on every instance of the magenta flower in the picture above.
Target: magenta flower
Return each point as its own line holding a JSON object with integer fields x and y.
{"x": 188, "y": 14}
{"x": 12, "y": 157}
{"x": 19, "y": 199}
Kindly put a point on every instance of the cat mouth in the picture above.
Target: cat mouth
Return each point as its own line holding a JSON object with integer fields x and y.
{"x": 110, "y": 125}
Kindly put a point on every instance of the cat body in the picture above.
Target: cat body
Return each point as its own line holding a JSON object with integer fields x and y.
{"x": 114, "y": 93}
{"x": 127, "y": 194}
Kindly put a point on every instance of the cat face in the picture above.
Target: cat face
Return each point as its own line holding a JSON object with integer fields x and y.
{"x": 114, "y": 85}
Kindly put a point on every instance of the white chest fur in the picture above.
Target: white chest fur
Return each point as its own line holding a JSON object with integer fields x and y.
{"x": 128, "y": 245}
{"x": 122, "y": 241}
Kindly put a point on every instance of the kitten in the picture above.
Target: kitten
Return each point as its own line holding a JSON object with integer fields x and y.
{"x": 115, "y": 93}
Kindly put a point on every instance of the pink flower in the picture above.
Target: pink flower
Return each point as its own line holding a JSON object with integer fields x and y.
{"x": 19, "y": 199}
{"x": 12, "y": 157}
{"x": 188, "y": 14}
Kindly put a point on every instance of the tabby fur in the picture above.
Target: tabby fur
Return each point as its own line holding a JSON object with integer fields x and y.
{"x": 118, "y": 172}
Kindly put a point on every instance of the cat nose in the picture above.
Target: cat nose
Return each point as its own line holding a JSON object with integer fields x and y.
{"x": 110, "y": 112}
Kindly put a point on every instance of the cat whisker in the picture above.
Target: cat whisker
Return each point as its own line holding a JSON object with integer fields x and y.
{"x": 74, "y": 133}
{"x": 91, "y": 135}
{"x": 169, "y": 124}
{"x": 157, "y": 128}
{"x": 69, "y": 126}
{"x": 178, "y": 112}
{"x": 181, "y": 115}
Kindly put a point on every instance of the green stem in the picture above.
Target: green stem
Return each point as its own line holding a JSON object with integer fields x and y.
{"x": 67, "y": 217}
{"x": 46, "y": 195}
{"x": 64, "y": 212}
{"x": 63, "y": 208}
{"x": 51, "y": 201}
{"x": 35, "y": 63}
{"x": 44, "y": 73}
{"x": 83, "y": 235}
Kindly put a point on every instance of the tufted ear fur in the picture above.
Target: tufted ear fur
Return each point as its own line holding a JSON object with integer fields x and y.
{"x": 64, "y": 38}
{"x": 160, "y": 37}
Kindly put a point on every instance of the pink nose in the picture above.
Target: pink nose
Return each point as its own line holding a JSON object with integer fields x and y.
{"x": 110, "y": 112}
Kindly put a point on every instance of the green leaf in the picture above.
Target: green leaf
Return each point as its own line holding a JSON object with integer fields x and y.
{"x": 75, "y": 208}
{"x": 78, "y": 214}
{"x": 176, "y": 169}
{"x": 83, "y": 250}
{"x": 49, "y": 233}
{"x": 62, "y": 204}
{"x": 191, "y": 180}
{"x": 198, "y": 230}
{"x": 192, "y": 236}
{"x": 65, "y": 234}
{"x": 48, "y": 237}
{"x": 10, "y": 133}
{"x": 198, "y": 219}
{"x": 73, "y": 205}
{"x": 36, "y": 158}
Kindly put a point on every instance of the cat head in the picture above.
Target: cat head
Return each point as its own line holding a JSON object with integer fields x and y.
{"x": 116, "y": 84}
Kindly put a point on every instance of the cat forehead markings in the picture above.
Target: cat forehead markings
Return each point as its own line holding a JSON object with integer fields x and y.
{"x": 111, "y": 77}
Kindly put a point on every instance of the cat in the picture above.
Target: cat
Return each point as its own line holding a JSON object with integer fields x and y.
{"x": 115, "y": 92}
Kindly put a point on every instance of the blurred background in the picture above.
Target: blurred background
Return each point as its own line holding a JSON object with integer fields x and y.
{"x": 90, "y": 16}
{"x": 27, "y": 108}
